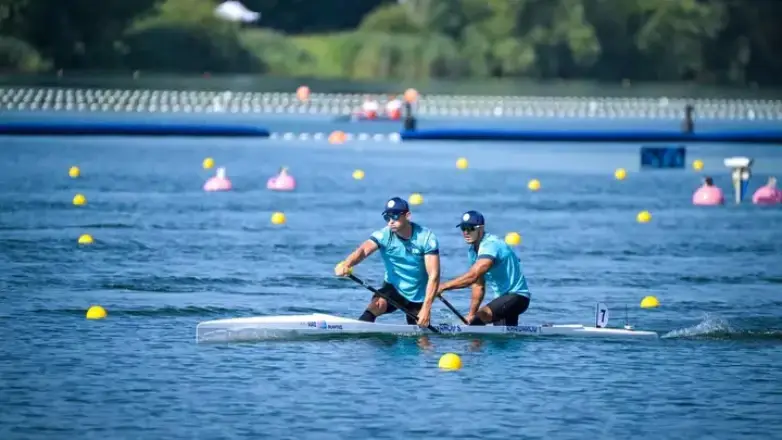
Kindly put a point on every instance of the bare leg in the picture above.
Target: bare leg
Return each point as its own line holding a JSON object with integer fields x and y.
{"x": 504, "y": 310}
{"x": 485, "y": 314}
{"x": 376, "y": 307}
{"x": 483, "y": 317}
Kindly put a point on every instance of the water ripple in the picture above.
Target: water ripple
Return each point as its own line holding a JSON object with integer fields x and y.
{"x": 168, "y": 256}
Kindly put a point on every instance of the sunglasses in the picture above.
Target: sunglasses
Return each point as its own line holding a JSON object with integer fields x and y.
{"x": 468, "y": 228}
{"x": 392, "y": 216}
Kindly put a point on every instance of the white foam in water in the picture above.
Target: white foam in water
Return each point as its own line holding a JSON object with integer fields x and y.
{"x": 710, "y": 325}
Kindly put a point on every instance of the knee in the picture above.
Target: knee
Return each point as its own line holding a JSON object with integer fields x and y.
{"x": 485, "y": 314}
{"x": 378, "y": 305}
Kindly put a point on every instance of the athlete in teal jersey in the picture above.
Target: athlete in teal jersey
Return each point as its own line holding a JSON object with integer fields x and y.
{"x": 492, "y": 262}
{"x": 411, "y": 256}
{"x": 404, "y": 260}
{"x": 505, "y": 273}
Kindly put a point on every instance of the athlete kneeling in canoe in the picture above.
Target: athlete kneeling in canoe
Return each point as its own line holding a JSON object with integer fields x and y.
{"x": 411, "y": 255}
{"x": 492, "y": 261}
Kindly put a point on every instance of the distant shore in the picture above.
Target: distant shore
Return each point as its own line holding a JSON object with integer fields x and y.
{"x": 103, "y": 95}
{"x": 497, "y": 88}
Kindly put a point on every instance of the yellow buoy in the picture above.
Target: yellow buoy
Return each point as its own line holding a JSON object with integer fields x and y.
{"x": 649, "y": 302}
{"x": 513, "y": 238}
{"x": 96, "y": 312}
{"x": 534, "y": 185}
{"x": 416, "y": 199}
{"x": 208, "y": 163}
{"x": 450, "y": 361}
{"x": 697, "y": 164}
{"x": 79, "y": 200}
{"x": 85, "y": 239}
{"x": 278, "y": 218}
{"x": 74, "y": 172}
{"x": 643, "y": 217}
{"x": 620, "y": 174}
{"x": 358, "y": 174}
{"x": 462, "y": 163}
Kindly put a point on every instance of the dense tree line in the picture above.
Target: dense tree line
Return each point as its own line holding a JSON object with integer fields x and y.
{"x": 708, "y": 41}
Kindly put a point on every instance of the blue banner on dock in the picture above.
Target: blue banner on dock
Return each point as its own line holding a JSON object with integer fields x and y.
{"x": 666, "y": 157}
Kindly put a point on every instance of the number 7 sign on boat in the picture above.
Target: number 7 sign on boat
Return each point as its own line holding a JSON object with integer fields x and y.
{"x": 601, "y": 315}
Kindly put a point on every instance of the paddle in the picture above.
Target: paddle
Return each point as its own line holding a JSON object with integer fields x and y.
{"x": 378, "y": 293}
{"x": 453, "y": 309}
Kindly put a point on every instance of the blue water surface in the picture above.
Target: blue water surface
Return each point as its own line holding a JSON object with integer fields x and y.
{"x": 168, "y": 255}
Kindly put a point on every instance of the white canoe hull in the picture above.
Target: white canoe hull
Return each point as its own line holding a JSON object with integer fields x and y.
{"x": 276, "y": 327}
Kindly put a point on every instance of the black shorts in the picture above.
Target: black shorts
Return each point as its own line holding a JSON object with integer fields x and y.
{"x": 505, "y": 310}
{"x": 412, "y": 307}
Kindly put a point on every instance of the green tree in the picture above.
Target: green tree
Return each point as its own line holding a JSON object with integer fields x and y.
{"x": 704, "y": 40}
{"x": 185, "y": 35}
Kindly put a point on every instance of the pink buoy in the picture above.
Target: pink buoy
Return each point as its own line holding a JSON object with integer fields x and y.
{"x": 218, "y": 182}
{"x": 281, "y": 182}
{"x": 768, "y": 194}
{"x": 708, "y": 194}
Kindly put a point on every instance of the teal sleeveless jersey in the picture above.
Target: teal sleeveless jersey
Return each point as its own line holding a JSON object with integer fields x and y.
{"x": 404, "y": 259}
{"x": 506, "y": 274}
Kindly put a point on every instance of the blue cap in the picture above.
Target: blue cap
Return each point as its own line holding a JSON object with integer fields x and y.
{"x": 396, "y": 206}
{"x": 471, "y": 218}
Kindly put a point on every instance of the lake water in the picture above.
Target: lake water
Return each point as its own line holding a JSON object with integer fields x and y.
{"x": 168, "y": 255}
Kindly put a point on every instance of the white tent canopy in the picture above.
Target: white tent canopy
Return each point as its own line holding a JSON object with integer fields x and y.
{"x": 233, "y": 10}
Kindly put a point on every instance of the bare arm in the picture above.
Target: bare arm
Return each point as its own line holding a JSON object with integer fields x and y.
{"x": 432, "y": 262}
{"x": 478, "y": 291}
{"x": 363, "y": 251}
{"x": 476, "y": 272}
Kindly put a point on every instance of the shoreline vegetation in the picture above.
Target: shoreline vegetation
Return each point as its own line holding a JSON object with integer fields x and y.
{"x": 697, "y": 48}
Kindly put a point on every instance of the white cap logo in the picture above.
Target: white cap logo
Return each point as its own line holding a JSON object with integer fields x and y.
{"x": 466, "y": 217}
{"x": 390, "y": 204}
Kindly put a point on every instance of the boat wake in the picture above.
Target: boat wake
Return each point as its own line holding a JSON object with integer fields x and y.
{"x": 716, "y": 328}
